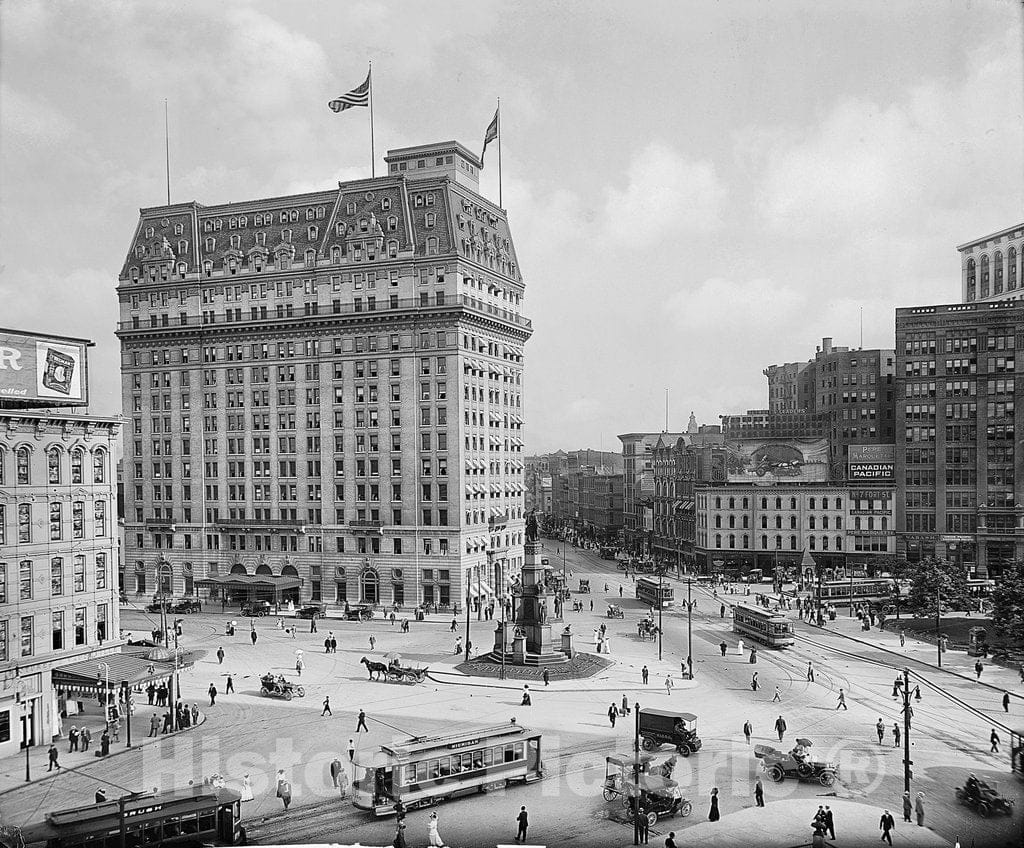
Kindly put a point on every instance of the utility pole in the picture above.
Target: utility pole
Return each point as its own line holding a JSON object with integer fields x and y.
{"x": 661, "y": 605}
{"x": 938, "y": 621}
{"x": 907, "y": 762}
{"x": 468, "y": 590}
{"x": 128, "y": 709}
{"x": 636, "y": 774}
{"x": 689, "y": 628}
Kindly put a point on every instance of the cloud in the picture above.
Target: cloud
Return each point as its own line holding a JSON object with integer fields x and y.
{"x": 32, "y": 119}
{"x": 666, "y": 193}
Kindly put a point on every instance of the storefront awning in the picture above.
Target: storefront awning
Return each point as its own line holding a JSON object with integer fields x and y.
{"x": 91, "y": 676}
{"x": 481, "y": 590}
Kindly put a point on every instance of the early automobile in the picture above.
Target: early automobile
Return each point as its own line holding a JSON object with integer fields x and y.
{"x": 983, "y": 797}
{"x": 312, "y": 611}
{"x": 257, "y": 609}
{"x": 358, "y": 612}
{"x": 188, "y": 606}
{"x": 159, "y": 602}
{"x": 658, "y": 798}
{"x": 615, "y": 611}
{"x": 584, "y": 586}
{"x": 797, "y": 763}
{"x": 661, "y": 727}
{"x": 278, "y": 687}
{"x": 620, "y": 768}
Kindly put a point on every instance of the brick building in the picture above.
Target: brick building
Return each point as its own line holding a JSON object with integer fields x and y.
{"x": 638, "y": 485}
{"x": 991, "y": 266}
{"x": 324, "y": 392}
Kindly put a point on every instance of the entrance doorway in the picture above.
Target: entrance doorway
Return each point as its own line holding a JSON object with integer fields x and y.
{"x": 369, "y": 584}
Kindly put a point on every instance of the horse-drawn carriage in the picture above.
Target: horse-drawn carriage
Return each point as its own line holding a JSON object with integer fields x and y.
{"x": 394, "y": 672}
{"x": 615, "y": 611}
{"x": 584, "y": 586}
{"x": 272, "y": 686}
{"x": 647, "y": 629}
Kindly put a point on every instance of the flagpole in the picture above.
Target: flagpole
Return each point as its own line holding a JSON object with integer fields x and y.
{"x": 373, "y": 158}
{"x": 499, "y": 154}
{"x": 167, "y": 153}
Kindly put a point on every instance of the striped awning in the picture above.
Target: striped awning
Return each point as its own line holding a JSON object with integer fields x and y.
{"x": 93, "y": 676}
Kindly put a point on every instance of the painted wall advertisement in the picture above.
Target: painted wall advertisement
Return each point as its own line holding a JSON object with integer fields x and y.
{"x": 872, "y": 462}
{"x": 47, "y": 370}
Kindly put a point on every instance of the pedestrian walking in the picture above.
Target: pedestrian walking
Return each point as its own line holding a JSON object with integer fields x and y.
{"x": 212, "y": 692}
{"x": 723, "y": 647}
{"x": 85, "y": 738}
{"x": 151, "y": 693}
{"x": 399, "y": 840}
{"x": 612, "y": 714}
{"x": 327, "y": 711}
{"x": 842, "y": 700}
{"x": 919, "y": 809}
{"x": 670, "y": 840}
{"x": 713, "y": 814}
{"x": 229, "y": 689}
{"x": 978, "y": 669}
{"x": 53, "y": 754}
{"x": 547, "y": 677}
{"x": 897, "y": 687}
{"x": 994, "y": 739}
{"x": 458, "y": 645}
{"x": 777, "y": 698}
{"x": 336, "y": 769}
{"x": 361, "y": 723}
{"x": 351, "y": 750}
{"x": 72, "y": 739}
{"x": 758, "y": 792}
{"x": 917, "y": 693}
{"x": 903, "y": 641}
{"x": 220, "y": 655}
{"x": 523, "y": 821}
{"x": 780, "y": 727}
{"x": 753, "y": 682}
{"x": 299, "y": 664}
{"x": 392, "y": 617}
{"x": 810, "y": 672}
{"x": 334, "y": 644}
{"x": 194, "y": 713}
{"x": 247, "y": 788}
{"x": 433, "y": 837}
{"x": 373, "y": 643}
{"x": 748, "y": 729}
{"x": 1006, "y": 702}
{"x": 668, "y": 684}
{"x": 830, "y": 822}
{"x": 105, "y": 743}
{"x": 312, "y": 623}
{"x": 284, "y": 789}
{"x": 643, "y": 826}
{"x": 455, "y": 626}
{"x": 908, "y": 806}
{"x": 886, "y": 824}
{"x": 327, "y": 644}
{"x": 880, "y": 730}
{"x": 721, "y": 611}
{"x": 644, "y": 674}
{"x": 342, "y": 785}
{"x": 252, "y": 636}
{"x": 896, "y": 735}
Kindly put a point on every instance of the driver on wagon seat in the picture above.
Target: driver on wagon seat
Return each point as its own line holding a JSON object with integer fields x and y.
{"x": 973, "y": 787}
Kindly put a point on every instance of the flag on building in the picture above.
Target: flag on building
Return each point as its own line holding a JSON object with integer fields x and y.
{"x": 490, "y": 135}
{"x": 359, "y": 96}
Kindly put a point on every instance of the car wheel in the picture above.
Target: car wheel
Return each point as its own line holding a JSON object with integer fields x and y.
{"x": 684, "y": 750}
{"x": 826, "y": 778}
{"x": 264, "y": 690}
{"x": 300, "y": 692}
{"x": 686, "y": 809}
{"x": 776, "y": 774}
{"x": 649, "y": 744}
{"x": 652, "y": 818}
{"x": 288, "y": 695}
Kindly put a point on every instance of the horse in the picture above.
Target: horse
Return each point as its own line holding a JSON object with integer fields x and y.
{"x": 375, "y": 668}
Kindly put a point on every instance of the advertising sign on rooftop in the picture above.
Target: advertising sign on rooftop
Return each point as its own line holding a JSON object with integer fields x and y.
{"x": 43, "y": 370}
{"x": 872, "y": 462}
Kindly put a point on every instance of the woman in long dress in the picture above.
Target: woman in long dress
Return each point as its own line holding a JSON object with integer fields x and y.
{"x": 713, "y": 814}
{"x": 247, "y": 789}
{"x": 435, "y": 838}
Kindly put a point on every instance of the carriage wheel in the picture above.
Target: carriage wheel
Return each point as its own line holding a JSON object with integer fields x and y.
{"x": 827, "y": 778}
{"x": 686, "y": 809}
{"x": 264, "y": 691}
{"x": 287, "y": 694}
{"x": 609, "y": 794}
{"x": 776, "y": 774}
{"x": 300, "y": 691}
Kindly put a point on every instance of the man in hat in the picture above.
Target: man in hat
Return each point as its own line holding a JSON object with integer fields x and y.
{"x": 886, "y": 824}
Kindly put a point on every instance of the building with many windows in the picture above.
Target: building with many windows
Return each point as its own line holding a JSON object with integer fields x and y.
{"x": 991, "y": 266}
{"x": 960, "y": 472}
{"x": 324, "y": 392}
{"x": 638, "y": 486}
{"x": 58, "y": 555}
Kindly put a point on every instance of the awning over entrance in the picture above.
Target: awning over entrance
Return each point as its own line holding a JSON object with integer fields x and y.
{"x": 481, "y": 590}
{"x": 91, "y": 676}
{"x": 279, "y": 581}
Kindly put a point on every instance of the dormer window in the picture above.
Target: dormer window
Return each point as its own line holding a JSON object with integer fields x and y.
{"x": 293, "y": 216}
{"x": 258, "y": 221}
{"x": 429, "y": 219}
{"x": 135, "y": 274}
{"x": 362, "y": 225}
{"x": 286, "y": 235}
{"x": 335, "y": 254}
{"x": 149, "y": 232}
{"x": 179, "y": 229}
{"x": 261, "y": 239}
{"x": 430, "y": 200}
{"x": 385, "y": 203}
{"x": 310, "y": 258}
{"x": 217, "y": 224}
{"x": 310, "y": 214}
{"x": 257, "y": 263}
{"x": 241, "y": 220}
{"x": 350, "y": 209}
{"x": 236, "y": 241}
{"x": 211, "y": 244}
{"x": 417, "y": 200}
{"x": 392, "y": 249}
{"x": 392, "y": 223}
{"x": 182, "y": 246}
{"x": 182, "y": 270}
{"x": 284, "y": 217}
{"x": 232, "y": 264}
{"x": 232, "y": 223}
{"x": 208, "y": 268}
{"x": 139, "y": 250}
{"x": 311, "y": 233}
{"x": 320, "y": 212}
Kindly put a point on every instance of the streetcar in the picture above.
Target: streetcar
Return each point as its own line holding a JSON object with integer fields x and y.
{"x": 769, "y": 628}
{"x": 653, "y": 593}
{"x": 197, "y": 815}
{"x": 1017, "y": 752}
{"x": 872, "y": 590}
{"x": 426, "y": 770}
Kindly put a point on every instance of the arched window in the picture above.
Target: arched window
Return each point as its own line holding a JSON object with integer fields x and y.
{"x": 984, "y": 276}
{"x": 811, "y": 520}
{"x": 839, "y": 543}
{"x": 99, "y": 466}
{"x": 238, "y": 568}
{"x": 764, "y": 522}
{"x": 997, "y": 260}
{"x": 778, "y": 543}
{"x": 839, "y": 523}
{"x": 824, "y": 503}
{"x": 732, "y": 521}
{"x": 335, "y": 254}
{"x": 972, "y": 279}
{"x": 778, "y": 522}
{"x": 392, "y": 249}
{"x": 792, "y": 522}
{"x": 824, "y": 543}
{"x": 718, "y": 503}
{"x": 746, "y": 541}
{"x": 778, "y": 503}
{"x": 718, "y": 521}
{"x": 718, "y": 540}
{"x": 792, "y": 503}
{"x": 310, "y": 258}
{"x": 824, "y": 522}
{"x": 746, "y": 503}
{"x": 732, "y": 541}
{"x": 53, "y": 466}
{"x": 792, "y": 543}
{"x": 746, "y": 523}
{"x": 810, "y": 542}
{"x": 22, "y": 463}
{"x": 764, "y": 542}
{"x": 264, "y": 569}
{"x": 732, "y": 503}
{"x": 1011, "y": 261}
{"x": 811, "y": 504}
{"x": 764, "y": 503}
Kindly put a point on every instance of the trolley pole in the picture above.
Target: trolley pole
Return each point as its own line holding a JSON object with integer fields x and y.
{"x": 635, "y": 800}
{"x": 907, "y": 762}
{"x": 689, "y": 628}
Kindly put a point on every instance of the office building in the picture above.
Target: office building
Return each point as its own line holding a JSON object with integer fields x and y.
{"x": 991, "y": 266}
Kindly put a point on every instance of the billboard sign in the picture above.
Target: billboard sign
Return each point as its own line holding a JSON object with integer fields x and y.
{"x": 872, "y": 462}
{"x": 43, "y": 370}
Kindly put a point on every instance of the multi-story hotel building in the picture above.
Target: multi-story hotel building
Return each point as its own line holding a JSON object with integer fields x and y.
{"x": 957, "y": 457}
{"x": 58, "y": 586}
{"x": 638, "y": 486}
{"x": 324, "y": 392}
{"x": 991, "y": 266}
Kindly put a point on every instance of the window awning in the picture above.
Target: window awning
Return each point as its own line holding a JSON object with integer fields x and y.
{"x": 480, "y": 590}
{"x": 91, "y": 676}
{"x": 281, "y": 581}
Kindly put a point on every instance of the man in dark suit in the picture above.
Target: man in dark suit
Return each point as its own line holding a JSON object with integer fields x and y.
{"x": 830, "y": 823}
{"x": 524, "y": 822}
{"x": 886, "y": 824}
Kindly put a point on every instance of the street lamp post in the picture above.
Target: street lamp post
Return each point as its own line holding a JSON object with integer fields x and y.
{"x": 689, "y": 628}
{"x": 127, "y": 690}
{"x": 636, "y": 774}
{"x": 661, "y": 606}
{"x": 907, "y": 762}
{"x": 938, "y": 621}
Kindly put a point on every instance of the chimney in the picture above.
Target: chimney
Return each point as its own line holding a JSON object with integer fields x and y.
{"x": 826, "y": 344}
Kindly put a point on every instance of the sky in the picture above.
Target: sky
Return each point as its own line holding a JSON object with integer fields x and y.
{"x": 696, "y": 190}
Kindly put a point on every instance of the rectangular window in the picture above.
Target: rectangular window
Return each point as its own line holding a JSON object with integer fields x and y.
{"x": 80, "y": 626}
{"x": 78, "y": 520}
{"x": 78, "y": 572}
{"x": 25, "y": 580}
{"x": 25, "y": 522}
{"x": 101, "y": 567}
{"x": 58, "y": 630}
{"x": 27, "y": 636}
{"x": 4, "y": 657}
{"x": 56, "y": 521}
{"x": 100, "y": 509}
{"x": 3, "y": 582}
{"x": 57, "y": 576}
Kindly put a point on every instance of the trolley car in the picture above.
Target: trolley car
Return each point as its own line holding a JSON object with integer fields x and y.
{"x": 198, "y": 815}
{"x": 423, "y": 771}
{"x": 653, "y": 593}
{"x": 1017, "y": 752}
{"x": 769, "y": 628}
{"x": 876, "y": 591}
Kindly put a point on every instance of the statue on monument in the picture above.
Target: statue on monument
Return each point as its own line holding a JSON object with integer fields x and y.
{"x": 532, "y": 534}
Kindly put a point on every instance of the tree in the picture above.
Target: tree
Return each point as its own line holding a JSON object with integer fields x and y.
{"x": 935, "y": 579}
{"x": 893, "y": 566}
{"x": 1008, "y": 605}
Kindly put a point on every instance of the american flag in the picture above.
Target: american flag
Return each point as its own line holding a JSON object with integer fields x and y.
{"x": 359, "y": 96}
{"x": 490, "y": 135}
